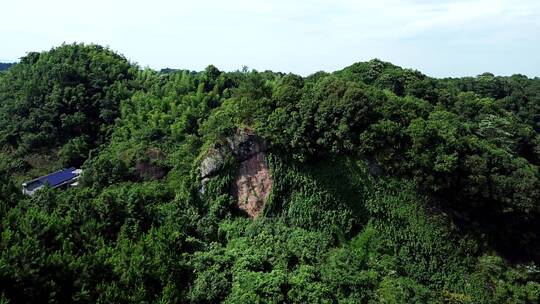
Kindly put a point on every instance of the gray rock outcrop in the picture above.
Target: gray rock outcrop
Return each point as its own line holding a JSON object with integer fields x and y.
{"x": 253, "y": 183}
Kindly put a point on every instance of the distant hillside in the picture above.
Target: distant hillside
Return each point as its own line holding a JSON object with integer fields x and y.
{"x": 5, "y": 66}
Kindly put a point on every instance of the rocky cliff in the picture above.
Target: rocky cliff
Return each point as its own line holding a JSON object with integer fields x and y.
{"x": 253, "y": 182}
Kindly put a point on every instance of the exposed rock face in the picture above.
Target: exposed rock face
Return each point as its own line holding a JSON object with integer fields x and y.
{"x": 244, "y": 144}
{"x": 253, "y": 183}
{"x": 212, "y": 163}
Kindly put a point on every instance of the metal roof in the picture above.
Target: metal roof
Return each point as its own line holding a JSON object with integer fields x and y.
{"x": 56, "y": 178}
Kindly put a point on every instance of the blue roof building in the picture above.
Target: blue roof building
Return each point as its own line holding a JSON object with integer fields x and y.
{"x": 64, "y": 177}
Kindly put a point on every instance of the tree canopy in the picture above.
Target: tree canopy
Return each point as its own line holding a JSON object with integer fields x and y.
{"x": 388, "y": 186}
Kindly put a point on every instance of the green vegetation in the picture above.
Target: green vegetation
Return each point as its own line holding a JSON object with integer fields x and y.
{"x": 388, "y": 186}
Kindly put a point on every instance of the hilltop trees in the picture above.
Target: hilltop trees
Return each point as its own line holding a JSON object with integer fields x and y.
{"x": 73, "y": 91}
{"x": 387, "y": 185}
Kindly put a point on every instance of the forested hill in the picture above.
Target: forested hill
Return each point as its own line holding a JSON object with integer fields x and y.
{"x": 5, "y": 66}
{"x": 372, "y": 184}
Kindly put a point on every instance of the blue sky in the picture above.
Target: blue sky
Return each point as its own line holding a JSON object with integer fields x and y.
{"x": 440, "y": 38}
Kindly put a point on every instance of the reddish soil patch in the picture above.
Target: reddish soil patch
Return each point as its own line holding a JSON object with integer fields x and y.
{"x": 253, "y": 185}
{"x": 148, "y": 169}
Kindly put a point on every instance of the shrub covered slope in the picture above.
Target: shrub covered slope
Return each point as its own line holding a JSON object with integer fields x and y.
{"x": 388, "y": 186}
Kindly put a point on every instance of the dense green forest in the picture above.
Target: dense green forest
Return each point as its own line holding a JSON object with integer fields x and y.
{"x": 372, "y": 184}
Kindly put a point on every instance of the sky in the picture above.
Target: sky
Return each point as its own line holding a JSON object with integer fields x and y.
{"x": 440, "y": 38}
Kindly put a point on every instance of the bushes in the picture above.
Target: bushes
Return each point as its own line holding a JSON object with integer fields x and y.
{"x": 330, "y": 192}
{"x": 71, "y": 91}
{"x": 388, "y": 186}
{"x": 74, "y": 152}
